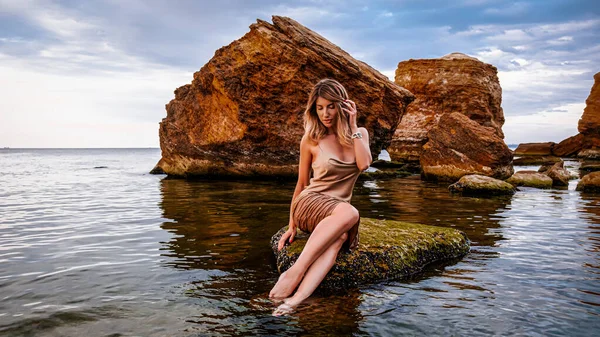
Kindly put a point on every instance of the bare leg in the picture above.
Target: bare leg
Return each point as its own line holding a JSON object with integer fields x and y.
{"x": 314, "y": 275}
{"x": 328, "y": 231}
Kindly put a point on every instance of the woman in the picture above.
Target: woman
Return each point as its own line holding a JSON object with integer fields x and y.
{"x": 337, "y": 150}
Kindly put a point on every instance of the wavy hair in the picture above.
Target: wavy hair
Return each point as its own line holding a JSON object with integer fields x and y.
{"x": 334, "y": 92}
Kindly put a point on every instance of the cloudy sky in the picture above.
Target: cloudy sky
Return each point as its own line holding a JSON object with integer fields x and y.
{"x": 99, "y": 73}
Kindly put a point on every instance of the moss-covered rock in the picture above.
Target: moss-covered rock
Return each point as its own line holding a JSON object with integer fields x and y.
{"x": 530, "y": 179}
{"x": 536, "y": 160}
{"x": 590, "y": 183}
{"x": 387, "y": 250}
{"x": 383, "y": 174}
{"x": 476, "y": 184}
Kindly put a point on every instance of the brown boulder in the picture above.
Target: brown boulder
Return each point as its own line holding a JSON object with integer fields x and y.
{"x": 242, "y": 113}
{"x": 559, "y": 175}
{"x": 453, "y": 83}
{"x": 534, "y": 149}
{"x": 568, "y": 147}
{"x": 590, "y": 183}
{"x": 459, "y": 146}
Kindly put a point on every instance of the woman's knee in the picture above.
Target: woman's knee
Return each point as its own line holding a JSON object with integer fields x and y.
{"x": 343, "y": 237}
{"x": 350, "y": 212}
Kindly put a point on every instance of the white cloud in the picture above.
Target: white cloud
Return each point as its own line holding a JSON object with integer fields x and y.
{"x": 548, "y": 125}
{"x": 121, "y": 109}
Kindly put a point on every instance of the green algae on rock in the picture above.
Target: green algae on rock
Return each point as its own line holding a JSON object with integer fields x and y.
{"x": 387, "y": 250}
{"x": 476, "y": 184}
{"x": 530, "y": 179}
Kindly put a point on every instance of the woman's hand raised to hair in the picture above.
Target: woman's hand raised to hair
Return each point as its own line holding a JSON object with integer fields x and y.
{"x": 350, "y": 107}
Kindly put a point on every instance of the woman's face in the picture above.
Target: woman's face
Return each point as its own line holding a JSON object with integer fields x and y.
{"x": 326, "y": 111}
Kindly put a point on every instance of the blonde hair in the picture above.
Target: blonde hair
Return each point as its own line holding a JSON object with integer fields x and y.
{"x": 334, "y": 92}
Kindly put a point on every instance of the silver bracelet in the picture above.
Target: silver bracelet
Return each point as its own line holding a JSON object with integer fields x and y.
{"x": 357, "y": 135}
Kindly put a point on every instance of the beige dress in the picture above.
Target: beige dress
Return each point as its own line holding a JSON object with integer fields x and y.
{"x": 332, "y": 183}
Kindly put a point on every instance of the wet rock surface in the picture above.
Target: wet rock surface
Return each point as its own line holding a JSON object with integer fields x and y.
{"x": 530, "y": 179}
{"x": 559, "y": 175}
{"x": 459, "y": 146}
{"x": 387, "y": 250}
{"x": 590, "y": 183}
{"x": 242, "y": 114}
{"x": 453, "y": 83}
{"x": 478, "y": 185}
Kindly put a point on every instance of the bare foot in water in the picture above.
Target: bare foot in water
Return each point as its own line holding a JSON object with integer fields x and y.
{"x": 286, "y": 284}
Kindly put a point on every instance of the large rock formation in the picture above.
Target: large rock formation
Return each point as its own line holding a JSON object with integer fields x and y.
{"x": 453, "y": 83}
{"x": 586, "y": 144}
{"x": 242, "y": 113}
{"x": 459, "y": 146}
{"x": 387, "y": 250}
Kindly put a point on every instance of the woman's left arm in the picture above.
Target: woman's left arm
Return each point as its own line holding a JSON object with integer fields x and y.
{"x": 362, "y": 152}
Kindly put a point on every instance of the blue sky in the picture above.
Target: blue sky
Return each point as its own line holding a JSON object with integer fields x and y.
{"x": 99, "y": 73}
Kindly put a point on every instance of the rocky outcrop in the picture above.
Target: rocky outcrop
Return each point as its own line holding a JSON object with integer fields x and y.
{"x": 588, "y": 127}
{"x": 530, "y": 179}
{"x": 387, "y": 250}
{"x": 475, "y": 184}
{"x": 459, "y": 146}
{"x": 590, "y": 183}
{"x": 534, "y": 149}
{"x": 242, "y": 113}
{"x": 589, "y": 124}
{"x": 453, "y": 83}
{"x": 559, "y": 175}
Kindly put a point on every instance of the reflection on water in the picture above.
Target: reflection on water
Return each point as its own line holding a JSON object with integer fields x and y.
{"x": 115, "y": 251}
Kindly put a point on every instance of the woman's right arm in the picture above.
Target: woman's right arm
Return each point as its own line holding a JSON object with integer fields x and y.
{"x": 303, "y": 181}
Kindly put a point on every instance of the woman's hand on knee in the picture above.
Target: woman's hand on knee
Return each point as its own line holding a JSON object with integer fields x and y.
{"x": 288, "y": 236}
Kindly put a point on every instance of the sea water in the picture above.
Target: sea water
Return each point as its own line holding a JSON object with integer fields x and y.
{"x": 93, "y": 245}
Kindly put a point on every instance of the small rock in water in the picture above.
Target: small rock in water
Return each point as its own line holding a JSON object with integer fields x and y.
{"x": 476, "y": 184}
{"x": 530, "y": 179}
{"x": 590, "y": 183}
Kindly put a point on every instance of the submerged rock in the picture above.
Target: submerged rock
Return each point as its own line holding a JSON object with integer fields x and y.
{"x": 590, "y": 183}
{"x": 453, "y": 83}
{"x": 459, "y": 146}
{"x": 534, "y": 149}
{"x": 475, "y": 184}
{"x": 242, "y": 114}
{"x": 387, "y": 250}
{"x": 530, "y": 179}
